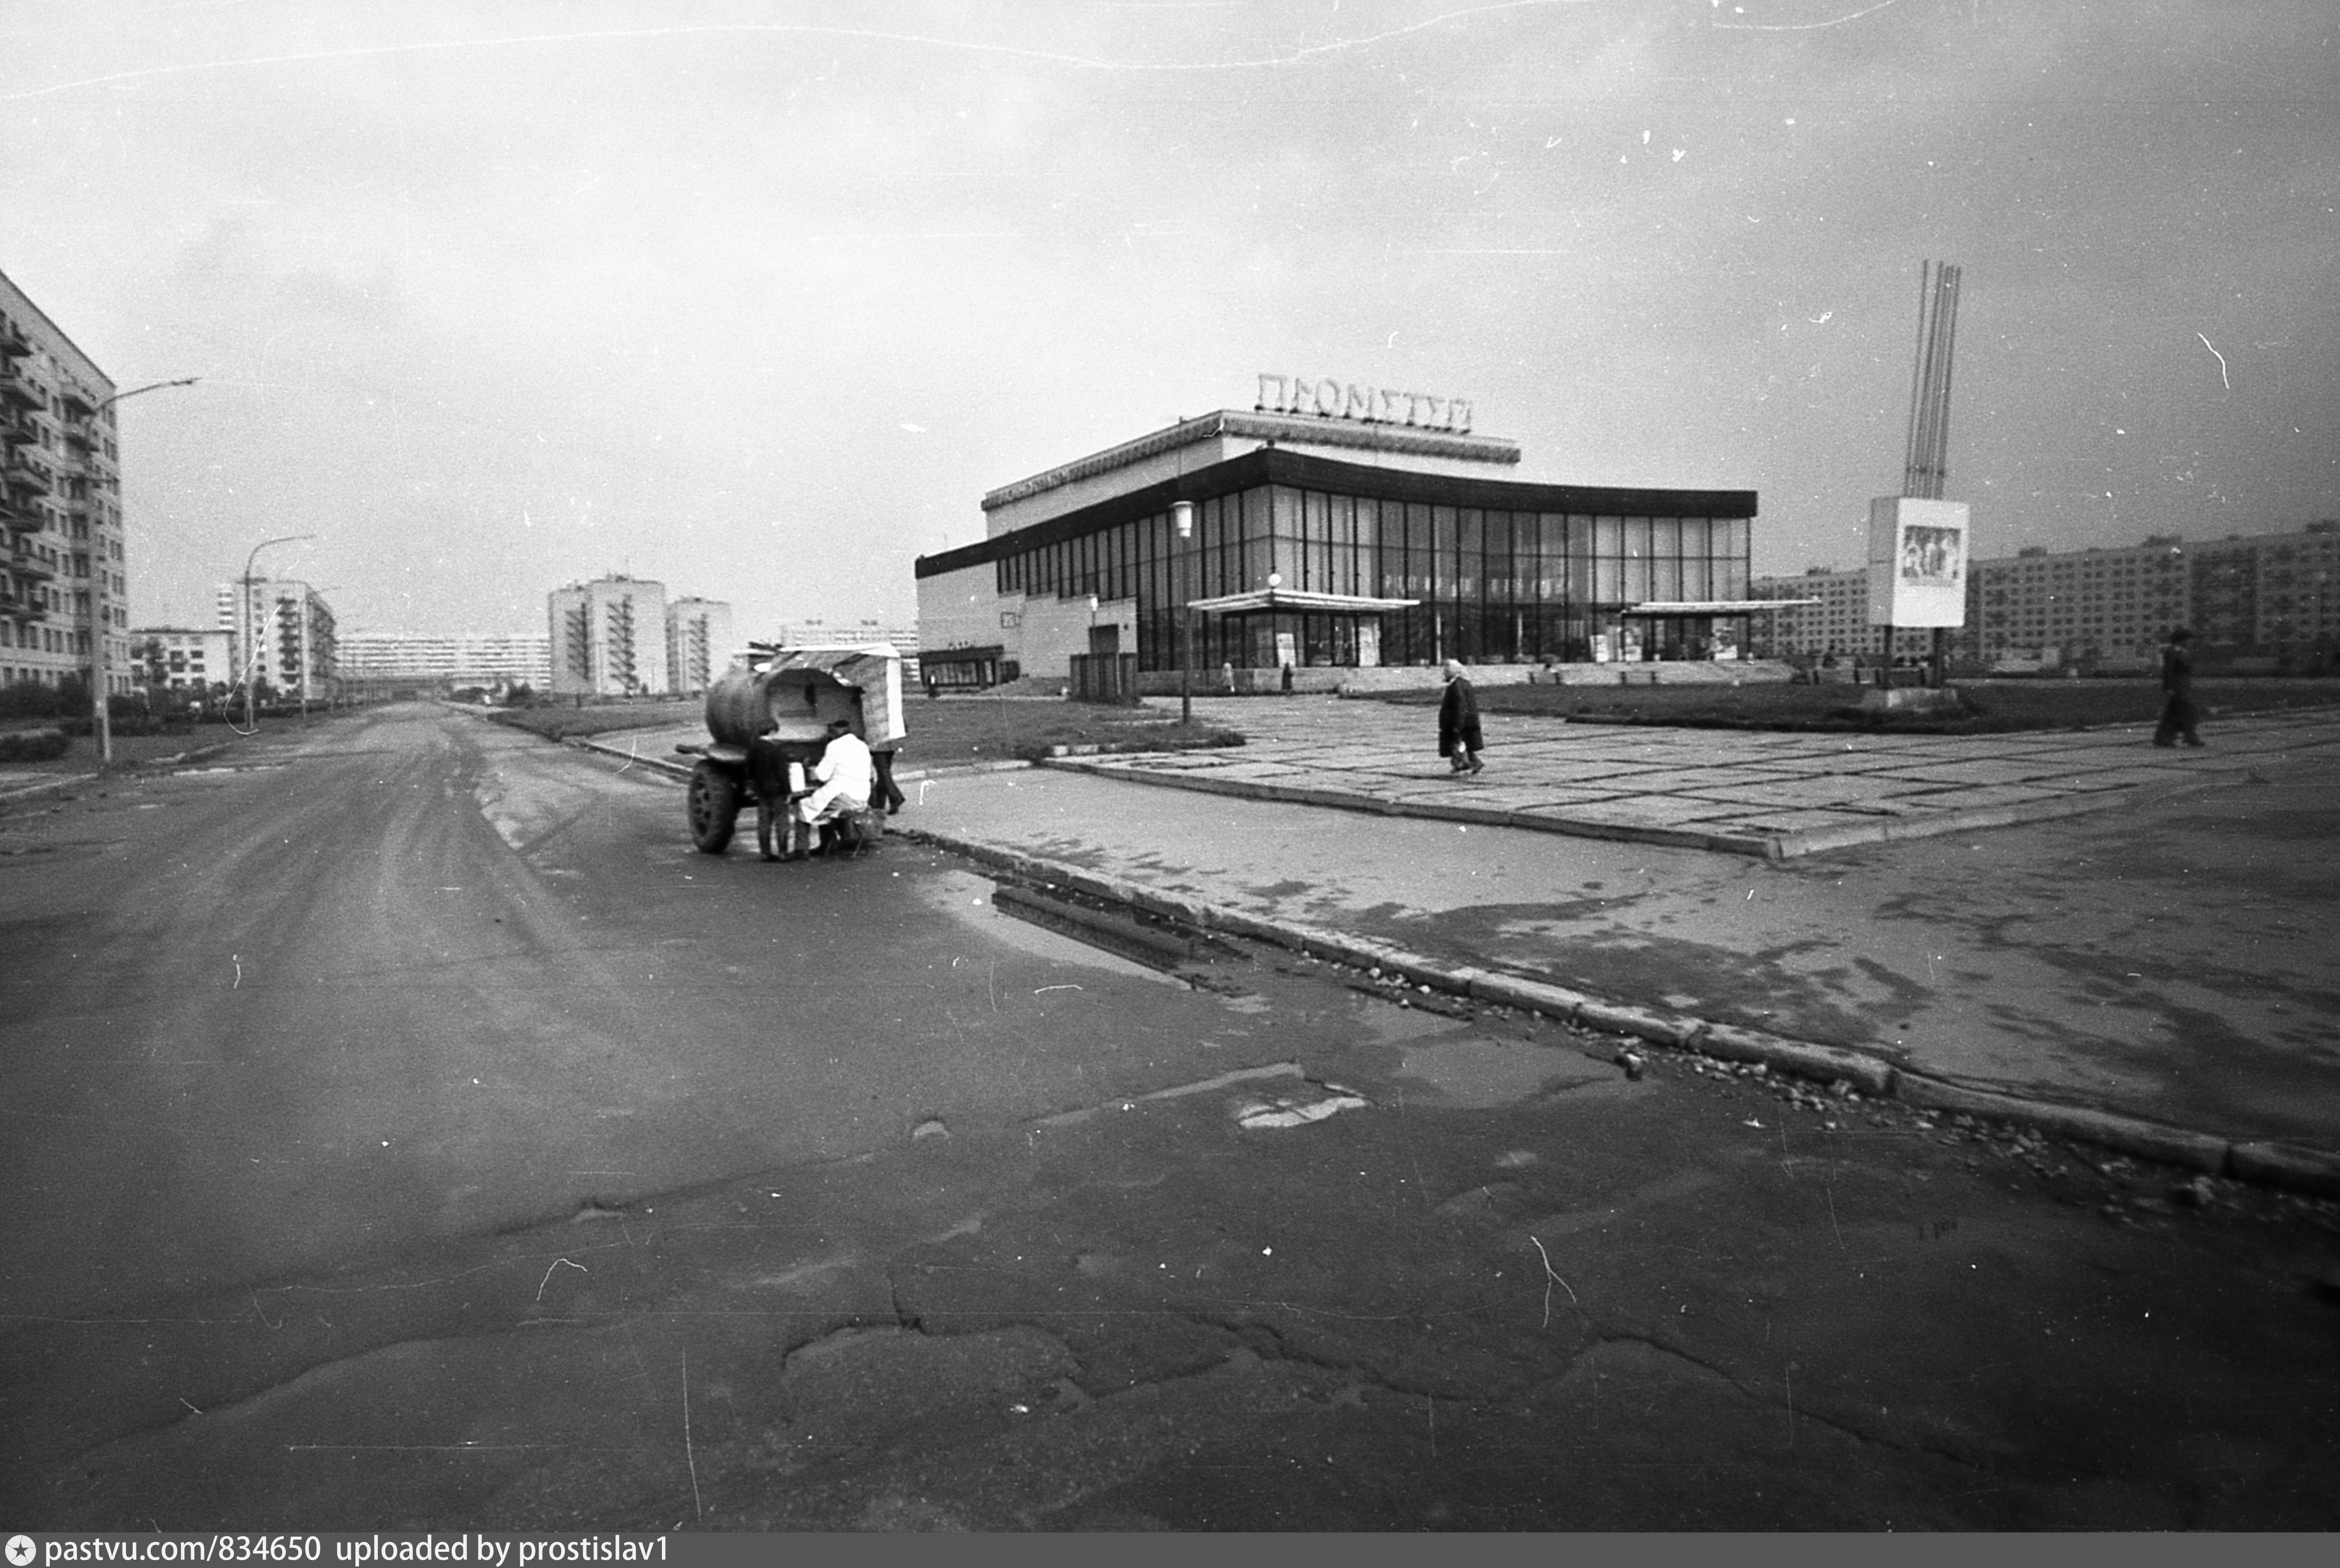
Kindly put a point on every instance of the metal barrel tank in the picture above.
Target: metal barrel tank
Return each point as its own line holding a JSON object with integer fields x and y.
{"x": 739, "y": 708}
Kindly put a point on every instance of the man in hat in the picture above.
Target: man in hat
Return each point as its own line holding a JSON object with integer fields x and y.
{"x": 2178, "y": 714}
{"x": 1458, "y": 721}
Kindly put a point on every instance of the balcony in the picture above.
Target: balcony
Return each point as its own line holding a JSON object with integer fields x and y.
{"x": 25, "y": 563}
{"x": 19, "y": 387}
{"x": 22, "y": 473}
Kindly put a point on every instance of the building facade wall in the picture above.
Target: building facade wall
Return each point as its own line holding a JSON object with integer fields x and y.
{"x": 63, "y": 575}
{"x": 699, "y": 646}
{"x": 1504, "y": 572}
{"x": 609, "y": 637}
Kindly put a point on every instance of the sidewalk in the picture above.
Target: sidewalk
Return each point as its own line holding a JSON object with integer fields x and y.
{"x": 2164, "y": 956}
{"x": 1774, "y": 796}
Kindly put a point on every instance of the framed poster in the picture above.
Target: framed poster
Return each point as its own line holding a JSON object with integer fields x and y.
{"x": 1917, "y": 562}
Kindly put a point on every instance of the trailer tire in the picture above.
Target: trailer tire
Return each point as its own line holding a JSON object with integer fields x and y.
{"x": 714, "y": 807}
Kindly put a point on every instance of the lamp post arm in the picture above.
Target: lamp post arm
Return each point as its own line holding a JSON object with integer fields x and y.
{"x": 100, "y": 721}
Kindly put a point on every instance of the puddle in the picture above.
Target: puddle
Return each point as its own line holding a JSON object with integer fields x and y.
{"x": 1298, "y": 1112}
{"x": 1482, "y": 1075}
{"x": 1387, "y": 1024}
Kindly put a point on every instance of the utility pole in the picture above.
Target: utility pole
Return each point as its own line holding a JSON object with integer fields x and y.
{"x": 101, "y": 717}
{"x": 245, "y": 619}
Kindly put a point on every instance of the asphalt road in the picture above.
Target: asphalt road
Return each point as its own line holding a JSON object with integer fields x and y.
{"x": 407, "y": 1129}
{"x": 420, "y": 978}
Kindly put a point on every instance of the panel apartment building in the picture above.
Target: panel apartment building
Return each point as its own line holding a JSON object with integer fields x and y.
{"x": 450, "y": 658}
{"x": 183, "y": 659}
{"x": 283, "y": 633}
{"x": 698, "y": 644}
{"x": 2270, "y": 599}
{"x": 63, "y": 574}
{"x": 619, "y": 636}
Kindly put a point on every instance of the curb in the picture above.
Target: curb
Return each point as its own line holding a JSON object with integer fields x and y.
{"x": 1877, "y": 1074}
{"x": 66, "y": 780}
{"x": 1761, "y": 847}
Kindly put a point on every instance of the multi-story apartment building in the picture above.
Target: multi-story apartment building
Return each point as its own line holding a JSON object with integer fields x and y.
{"x": 282, "y": 632}
{"x": 609, "y": 637}
{"x": 1837, "y": 623}
{"x": 2270, "y": 597}
{"x": 181, "y": 658}
{"x": 63, "y": 573}
{"x": 814, "y": 633}
{"x": 699, "y": 646}
{"x": 492, "y": 659}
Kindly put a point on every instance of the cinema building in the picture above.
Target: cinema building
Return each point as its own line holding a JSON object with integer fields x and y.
{"x": 1330, "y": 544}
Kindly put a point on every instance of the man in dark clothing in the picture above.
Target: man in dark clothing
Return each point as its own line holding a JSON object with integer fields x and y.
{"x": 1458, "y": 721}
{"x": 2178, "y": 714}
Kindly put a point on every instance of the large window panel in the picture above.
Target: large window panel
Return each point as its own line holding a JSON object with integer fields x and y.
{"x": 1665, "y": 559}
{"x": 1697, "y": 559}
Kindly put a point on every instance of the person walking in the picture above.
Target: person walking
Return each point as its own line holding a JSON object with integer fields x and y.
{"x": 2178, "y": 713}
{"x": 1459, "y": 740}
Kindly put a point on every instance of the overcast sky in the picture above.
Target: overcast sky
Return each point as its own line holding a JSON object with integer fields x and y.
{"x": 758, "y": 299}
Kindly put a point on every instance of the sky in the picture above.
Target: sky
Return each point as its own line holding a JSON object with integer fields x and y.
{"x": 759, "y": 299}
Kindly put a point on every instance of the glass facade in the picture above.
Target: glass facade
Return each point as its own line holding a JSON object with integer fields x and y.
{"x": 1497, "y": 584}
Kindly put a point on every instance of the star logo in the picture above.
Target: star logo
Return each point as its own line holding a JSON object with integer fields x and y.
{"x": 21, "y": 1550}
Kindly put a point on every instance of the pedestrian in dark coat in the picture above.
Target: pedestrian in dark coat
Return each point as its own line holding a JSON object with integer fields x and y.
{"x": 2178, "y": 714}
{"x": 1458, "y": 721}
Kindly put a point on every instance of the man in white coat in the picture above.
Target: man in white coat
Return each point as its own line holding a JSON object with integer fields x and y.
{"x": 844, "y": 775}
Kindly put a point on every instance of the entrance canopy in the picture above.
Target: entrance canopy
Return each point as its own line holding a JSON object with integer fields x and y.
{"x": 1297, "y": 599}
{"x": 1714, "y": 606}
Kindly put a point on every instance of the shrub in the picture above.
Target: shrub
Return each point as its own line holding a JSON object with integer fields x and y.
{"x": 32, "y": 745}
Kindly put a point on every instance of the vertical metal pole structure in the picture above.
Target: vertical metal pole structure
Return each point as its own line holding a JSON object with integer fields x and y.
{"x": 243, "y": 620}
{"x": 1182, "y": 517}
{"x": 1926, "y": 465}
{"x": 101, "y": 717}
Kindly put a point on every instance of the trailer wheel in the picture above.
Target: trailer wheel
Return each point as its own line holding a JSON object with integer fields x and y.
{"x": 714, "y": 807}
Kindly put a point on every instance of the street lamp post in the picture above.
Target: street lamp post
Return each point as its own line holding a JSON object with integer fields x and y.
{"x": 243, "y": 614}
{"x": 1182, "y": 516}
{"x": 100, "y": 718}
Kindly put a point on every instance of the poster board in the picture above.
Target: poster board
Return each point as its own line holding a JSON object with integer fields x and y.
{"x": 1917, "y": 562}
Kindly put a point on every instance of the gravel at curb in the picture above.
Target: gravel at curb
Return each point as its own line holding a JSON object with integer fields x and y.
{"x": 1876, "y": 1074}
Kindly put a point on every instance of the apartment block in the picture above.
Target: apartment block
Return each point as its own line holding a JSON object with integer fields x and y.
{"x": 2268, "y": 598}
{"x": 63, "y": 575}
{"x": 181, "y": 658}
{"x": 699, "y": 646}
{"x": 492, "y": 659}
{"x": 609, "y": 637}
{"x": 282, "y": 633}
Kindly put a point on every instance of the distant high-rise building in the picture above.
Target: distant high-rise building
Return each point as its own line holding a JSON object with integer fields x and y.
{"x": 451, "y": 658}
{"x": 63, "y": 574}
{"x": 609, "y": 637}
{"x": 698, "y": 644}
{"x": 282, "y": 632}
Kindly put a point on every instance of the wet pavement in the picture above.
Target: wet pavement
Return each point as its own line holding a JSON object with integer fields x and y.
{"x": 2165, "y": 953}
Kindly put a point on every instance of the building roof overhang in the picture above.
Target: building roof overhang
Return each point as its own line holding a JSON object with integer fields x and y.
{"x": 1713, "y": 606}
{"x": 1275, "y": 465}
{"x": 1367, "y": 435}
